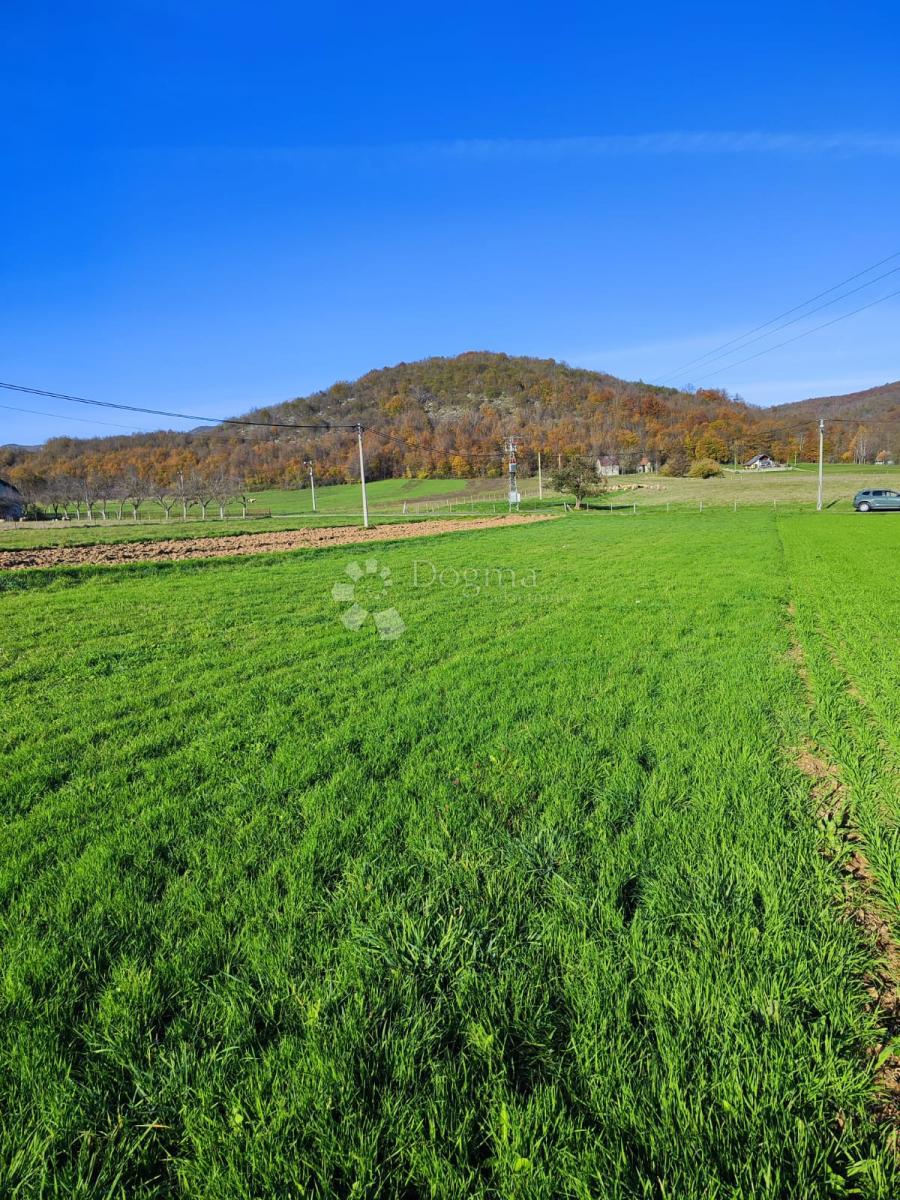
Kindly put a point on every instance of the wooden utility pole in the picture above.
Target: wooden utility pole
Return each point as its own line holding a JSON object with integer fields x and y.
{"x": 362, "y": 477}
{"x": 312, "y": 483}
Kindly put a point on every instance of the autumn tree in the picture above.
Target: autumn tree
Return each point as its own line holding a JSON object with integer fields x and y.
{"x": 710, "y": 445}
{"x": 704, "y": 468}
{"x": 678, "y": 463}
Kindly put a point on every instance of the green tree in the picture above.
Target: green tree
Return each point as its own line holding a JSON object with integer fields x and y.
{"x": 578, "y": 477}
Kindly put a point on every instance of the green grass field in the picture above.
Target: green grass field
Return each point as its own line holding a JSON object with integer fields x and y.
{"x": 530, "y": 900}
{"x": 383, "y": 493}
{"x": 427, "y": 498}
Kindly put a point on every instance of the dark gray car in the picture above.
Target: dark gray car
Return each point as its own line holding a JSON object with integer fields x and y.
{"x": 872, "y": 499}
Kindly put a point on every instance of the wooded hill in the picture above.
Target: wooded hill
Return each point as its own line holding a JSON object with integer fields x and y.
{"x": 870, "y": 420}
{"x": 448, "y": 417}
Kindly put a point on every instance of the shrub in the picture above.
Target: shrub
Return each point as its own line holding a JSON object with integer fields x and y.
{"x": 704, "y": 468}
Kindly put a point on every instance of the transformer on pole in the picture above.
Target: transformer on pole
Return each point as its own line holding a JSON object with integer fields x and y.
{"x": 509, "y": 449}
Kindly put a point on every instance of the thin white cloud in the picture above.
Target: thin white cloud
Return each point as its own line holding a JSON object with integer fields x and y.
{"x": 486, "y": 150}
{"x": 678, "y": 142}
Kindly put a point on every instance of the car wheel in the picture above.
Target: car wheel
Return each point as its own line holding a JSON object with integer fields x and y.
{"x": 864, "y": 507}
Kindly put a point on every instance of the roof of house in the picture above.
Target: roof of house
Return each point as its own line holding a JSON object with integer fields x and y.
{"x": 607, "y": 460}
{"x": 760, "y": 457}
{"x": 10, "y": 486}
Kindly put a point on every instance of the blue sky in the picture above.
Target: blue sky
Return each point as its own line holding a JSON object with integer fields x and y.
{"x": 209, "y": 206}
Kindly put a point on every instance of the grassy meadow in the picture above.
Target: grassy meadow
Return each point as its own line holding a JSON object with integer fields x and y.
{"x": 423, "y": 499}
{"x": 527, "y": 899}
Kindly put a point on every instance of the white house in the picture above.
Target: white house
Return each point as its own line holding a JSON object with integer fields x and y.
{"x": 761, "y": 462}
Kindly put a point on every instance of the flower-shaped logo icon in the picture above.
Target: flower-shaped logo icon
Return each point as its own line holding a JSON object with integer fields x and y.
{"x": 376, "y": 582}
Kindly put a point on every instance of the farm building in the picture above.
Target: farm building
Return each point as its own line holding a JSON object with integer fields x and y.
{"x": 607, "y": 465}
{"x": 12, "y": 502}
{"x": 761, "y": 462}
{"x": 645, "y": 466}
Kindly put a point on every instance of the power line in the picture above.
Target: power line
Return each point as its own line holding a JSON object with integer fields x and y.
{"x": 805, "y": 333}
{"x": 160, "y": 412}
{"x": 837, "y": 299}
{"x": 401, "y": 442}
{"x": 16, "y": 387}
{"x": 756, "y": 329}
{"x": 34, "y": 412}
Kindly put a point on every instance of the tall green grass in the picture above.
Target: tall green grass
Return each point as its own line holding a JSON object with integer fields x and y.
{"x": 846, "y": 590}
{"x": 526, "y": 902}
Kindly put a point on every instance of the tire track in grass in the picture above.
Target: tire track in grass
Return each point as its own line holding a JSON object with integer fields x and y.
{"x": 845, "y": 844}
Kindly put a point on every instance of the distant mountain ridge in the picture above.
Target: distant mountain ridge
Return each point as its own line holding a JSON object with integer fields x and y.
{"x": 880, "y": 403}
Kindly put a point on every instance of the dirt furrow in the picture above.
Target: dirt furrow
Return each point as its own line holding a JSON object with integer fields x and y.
{"x": 174, "y": 549}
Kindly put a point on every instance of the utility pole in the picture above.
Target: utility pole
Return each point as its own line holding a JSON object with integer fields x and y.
{"x": 540, "y": 479}
{"x": 509, "y": 448}
{"x": 362, "y": 477}
{"x": 821, "y": 462}
{"x": 307, "y": 462}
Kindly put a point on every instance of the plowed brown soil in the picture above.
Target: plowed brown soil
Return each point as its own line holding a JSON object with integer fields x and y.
{"x": 244, "y": 543}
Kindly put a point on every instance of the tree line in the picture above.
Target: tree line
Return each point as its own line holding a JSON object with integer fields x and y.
{"x": 87, "y": 487}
